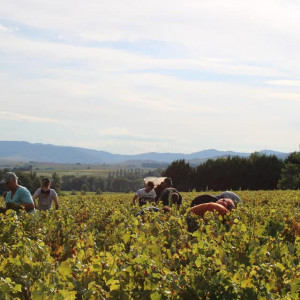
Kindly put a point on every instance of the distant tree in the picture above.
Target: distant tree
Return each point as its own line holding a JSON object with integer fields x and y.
{"x": 84, "y": 188}
{"x": 181, "y": 174}
{"x": 120, "y": 184}
{"x": 30, "y": 180}
{"x": 156, "y": 173}
{"x": 264, "y": 171}
{"x": 290, "y": 173}
{"x": 258, "y": 171}
{"x": 56, "y": 183}
{"x": 98, "y": 192}
{"x": 71, "y": 182}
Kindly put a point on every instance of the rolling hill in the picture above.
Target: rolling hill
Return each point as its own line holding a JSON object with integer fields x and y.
{"x": 25, "y": 151}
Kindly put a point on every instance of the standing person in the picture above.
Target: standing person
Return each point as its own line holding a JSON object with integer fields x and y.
{"x": 145, "y": 195}
{"x": 45, "y": 195}
{"x": 169, "y": 195}
{"x": 18, "y": 196}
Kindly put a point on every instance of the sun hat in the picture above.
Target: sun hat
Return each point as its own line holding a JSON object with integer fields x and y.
{"x": 8, "y": 176}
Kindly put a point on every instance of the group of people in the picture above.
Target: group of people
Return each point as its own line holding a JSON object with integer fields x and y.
{"x": 19, "y": 197}
{"x": 164, "y": 193}
{"x": 222, "y": 203}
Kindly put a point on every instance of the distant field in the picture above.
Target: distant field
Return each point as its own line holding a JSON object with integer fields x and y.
{"x": 47, "y": 169}
{"x": 76, "y": 172}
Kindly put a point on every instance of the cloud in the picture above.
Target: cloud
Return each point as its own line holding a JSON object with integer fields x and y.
{"x": 291, "y": 83}
{"x": 118, "y": 133}
{"x": 151, "y": 74}
{"x": 5, "y": 115}
{"x": 3, "y": 28}
{"x": 53, "y": 55}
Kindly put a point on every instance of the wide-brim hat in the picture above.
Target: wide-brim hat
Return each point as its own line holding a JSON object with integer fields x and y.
{"x": 8, "y": 176}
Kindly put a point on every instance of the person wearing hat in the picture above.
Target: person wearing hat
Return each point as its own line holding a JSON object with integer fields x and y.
{"x": 230, "y": 195}
{"x": 46, "y": 196}
{"x": 169, "y": 195}
{"x": 18, "y": 196}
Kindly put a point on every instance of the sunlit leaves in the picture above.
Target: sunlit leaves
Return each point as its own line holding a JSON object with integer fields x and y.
{"x": 95, "y": 248}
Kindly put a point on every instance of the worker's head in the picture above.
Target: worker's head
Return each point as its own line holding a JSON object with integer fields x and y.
{"x": 46, "y": 182}
{"x": 175, "y": 197}
{"x": 149, "y": 186}
{"x": 227, "y": 203}
{"x": 10, "y": 179}
{"x": 167, "y": 182}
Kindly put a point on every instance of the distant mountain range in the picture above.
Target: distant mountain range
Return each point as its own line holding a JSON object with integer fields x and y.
{"x": 26, "y": 152}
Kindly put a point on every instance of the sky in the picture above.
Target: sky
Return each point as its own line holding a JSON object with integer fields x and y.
{"x": 137, "y": 76}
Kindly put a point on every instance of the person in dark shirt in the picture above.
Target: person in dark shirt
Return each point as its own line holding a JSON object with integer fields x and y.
{"x": 169, "y": 195}
{"x": 158, "y": 190}
{"x": 203, "y": 199}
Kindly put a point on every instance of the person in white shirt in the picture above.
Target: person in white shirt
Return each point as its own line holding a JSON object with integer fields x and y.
{"x": 145, "y": 195}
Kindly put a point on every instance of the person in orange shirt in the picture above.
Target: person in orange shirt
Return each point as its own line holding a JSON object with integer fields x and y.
{"x": 222, "y": 207}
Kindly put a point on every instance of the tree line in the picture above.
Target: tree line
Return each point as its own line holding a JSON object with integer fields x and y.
{"x": 121, "y": 180}
{"x": 256, "y": 172}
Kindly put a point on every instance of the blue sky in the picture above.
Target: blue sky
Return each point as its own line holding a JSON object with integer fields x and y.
{"x": 134, "y": 76}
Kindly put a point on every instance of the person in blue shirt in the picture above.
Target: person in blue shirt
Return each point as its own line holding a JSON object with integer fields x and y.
{"x": 18, "y": 196}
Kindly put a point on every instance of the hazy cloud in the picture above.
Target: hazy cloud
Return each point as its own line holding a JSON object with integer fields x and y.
{"x": 4, "y": 115}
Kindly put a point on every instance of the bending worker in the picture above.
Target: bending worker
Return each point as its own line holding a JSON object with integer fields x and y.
{"x": 222, "y": 207}
{"x": 145, "y": 195}
{"x": 169, "y": 195}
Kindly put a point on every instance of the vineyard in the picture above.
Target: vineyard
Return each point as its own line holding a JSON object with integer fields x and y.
{"x": 95, "y": 247}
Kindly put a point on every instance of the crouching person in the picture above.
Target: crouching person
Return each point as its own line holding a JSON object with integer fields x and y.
{"x": 145, "y": 195}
